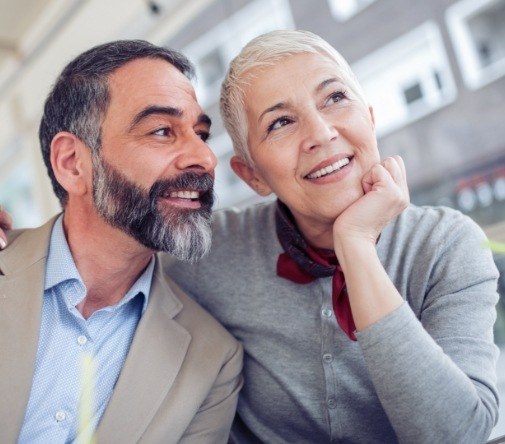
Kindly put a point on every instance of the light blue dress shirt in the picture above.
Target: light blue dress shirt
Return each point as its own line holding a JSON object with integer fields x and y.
{"x": 52, "y": 414}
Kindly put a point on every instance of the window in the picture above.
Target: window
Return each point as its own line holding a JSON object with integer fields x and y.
{"x": 478, "y": 34}
{"x": 212, "y": 52}
{"x": 407, "y": 79}
{"x": 413, "y": 93}
{"x": 343, "y": 10}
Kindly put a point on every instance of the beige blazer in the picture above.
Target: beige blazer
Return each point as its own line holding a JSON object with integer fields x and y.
{"x": 181, "y": 378}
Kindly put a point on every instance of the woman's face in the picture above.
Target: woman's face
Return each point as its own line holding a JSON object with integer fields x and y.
{"x": 310, "y": 137}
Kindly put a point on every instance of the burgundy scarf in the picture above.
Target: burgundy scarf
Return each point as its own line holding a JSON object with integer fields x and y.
{"x": 302, "y": 264}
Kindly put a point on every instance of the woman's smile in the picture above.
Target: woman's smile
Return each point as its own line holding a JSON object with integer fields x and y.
{"x": 332, "y": 169}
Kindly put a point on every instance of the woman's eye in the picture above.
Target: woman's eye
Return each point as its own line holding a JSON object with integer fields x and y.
{"x": 337, "y": 96}
{"x": 279, "y": 123}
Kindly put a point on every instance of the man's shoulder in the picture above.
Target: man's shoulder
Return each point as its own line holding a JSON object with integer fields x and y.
{"x": 18, "y": 235}
{"x": 42, "y": 231}
{"x": 25, "y": 247}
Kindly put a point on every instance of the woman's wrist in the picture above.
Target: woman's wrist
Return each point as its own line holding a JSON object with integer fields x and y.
{"x": 352, "y": 248}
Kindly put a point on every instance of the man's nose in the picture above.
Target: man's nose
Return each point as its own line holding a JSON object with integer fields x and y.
{"x": 196, "y": 155}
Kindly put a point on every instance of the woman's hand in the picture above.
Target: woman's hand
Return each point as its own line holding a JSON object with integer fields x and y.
{"x": 386, "y": 196}
{"x": 5, "y": 224}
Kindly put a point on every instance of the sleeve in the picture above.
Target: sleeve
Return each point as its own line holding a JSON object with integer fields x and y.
{"x": 435, "y": 374}
{"x": 213, "y": 421}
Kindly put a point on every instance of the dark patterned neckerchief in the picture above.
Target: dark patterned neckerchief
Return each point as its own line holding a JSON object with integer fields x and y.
{"x": 302, "y": 264}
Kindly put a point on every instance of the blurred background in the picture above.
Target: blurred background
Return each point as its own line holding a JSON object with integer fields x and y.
{"x": 434, "y": 71}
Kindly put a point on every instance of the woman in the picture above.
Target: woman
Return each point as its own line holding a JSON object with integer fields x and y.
{"x": 363, "y": 319}
{"x": 419, "y": 291}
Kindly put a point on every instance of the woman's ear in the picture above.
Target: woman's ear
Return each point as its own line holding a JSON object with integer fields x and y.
{"x": 67, "y": 161}
{"x": 372, "y": 115}
{"x": 249, "y": 176}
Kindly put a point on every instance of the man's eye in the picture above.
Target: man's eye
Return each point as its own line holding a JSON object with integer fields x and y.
{"x": 204, "y": 135}
{"x": 279, "y": 123}
{"x": 162, "y": 132}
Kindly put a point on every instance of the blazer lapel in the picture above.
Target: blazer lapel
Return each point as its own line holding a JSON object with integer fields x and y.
{"x": 153, "y": 362}
{"x": 22, "y": 272}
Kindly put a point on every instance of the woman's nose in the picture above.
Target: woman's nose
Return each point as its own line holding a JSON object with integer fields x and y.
{"x": 318, "y": 131}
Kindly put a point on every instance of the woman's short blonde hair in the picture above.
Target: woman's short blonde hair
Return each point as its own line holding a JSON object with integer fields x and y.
{"x": 263, "y": 51}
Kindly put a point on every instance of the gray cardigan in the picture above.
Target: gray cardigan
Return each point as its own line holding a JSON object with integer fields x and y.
{"x": 423, "y": 374}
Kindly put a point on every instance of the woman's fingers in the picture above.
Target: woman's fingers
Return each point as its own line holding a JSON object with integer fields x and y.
{"x": 396, "y": 168}
{"x": 5, "y": 224}
{"x": 394, "y": 165}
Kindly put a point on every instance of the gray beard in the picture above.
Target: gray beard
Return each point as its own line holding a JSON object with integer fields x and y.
{"x": 183, "y": 233}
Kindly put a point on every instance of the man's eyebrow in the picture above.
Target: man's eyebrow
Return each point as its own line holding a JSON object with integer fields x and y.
{"x": 150, "y": 110}
{"x": 205, "y": 119}
{"x": 168, "y": 111}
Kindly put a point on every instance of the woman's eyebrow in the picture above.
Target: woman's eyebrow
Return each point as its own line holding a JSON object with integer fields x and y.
{"x": 280, "y": 105}
{"x": 283, "y": 105}
{"x": 327, "y": 82}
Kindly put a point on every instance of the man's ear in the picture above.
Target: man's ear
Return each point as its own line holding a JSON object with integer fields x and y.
{"x": 249, "y": 176}
{"x": 69, "y": 159}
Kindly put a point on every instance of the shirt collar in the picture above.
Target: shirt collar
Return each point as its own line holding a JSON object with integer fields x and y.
{"x": 61, "y": 267}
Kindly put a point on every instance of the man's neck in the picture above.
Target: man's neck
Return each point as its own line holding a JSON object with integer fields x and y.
{"x": 109, "y": 261}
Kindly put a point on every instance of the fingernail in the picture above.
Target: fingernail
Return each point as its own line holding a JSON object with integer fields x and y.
{"x": 3, "y": 244}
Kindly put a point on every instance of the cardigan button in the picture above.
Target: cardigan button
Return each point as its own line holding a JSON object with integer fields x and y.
{"x": 326, "y": 312}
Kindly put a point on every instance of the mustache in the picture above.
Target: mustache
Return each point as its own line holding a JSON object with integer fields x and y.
{"x": 203, "y": 183}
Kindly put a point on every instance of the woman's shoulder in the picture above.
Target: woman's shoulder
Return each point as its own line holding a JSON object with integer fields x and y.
{"x": 247, "y": 219}
{"x": 433, "y": 230}
{"x": 435, "y": 221}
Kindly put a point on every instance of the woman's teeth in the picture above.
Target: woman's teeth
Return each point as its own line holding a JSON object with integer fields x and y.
{"x": 185, "y": 194}
{"x": 329, "y": 169}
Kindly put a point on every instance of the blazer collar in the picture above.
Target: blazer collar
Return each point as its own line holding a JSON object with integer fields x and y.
{"x": 156, "y": 355}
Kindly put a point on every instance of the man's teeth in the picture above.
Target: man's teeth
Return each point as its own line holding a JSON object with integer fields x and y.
{"x": 185, "y": 194}
{"x": 329, "y": 169}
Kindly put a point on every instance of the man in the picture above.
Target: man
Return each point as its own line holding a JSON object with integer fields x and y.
{"x": 123, "y": 139}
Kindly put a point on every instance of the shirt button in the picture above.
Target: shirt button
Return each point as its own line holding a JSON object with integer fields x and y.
{"x": 60, "y": 416}
{"x": 326, "y": 312}
{"x": 81, "y": 340}
{"x": 332, "y": 403}
{"x": 327, "y": 357}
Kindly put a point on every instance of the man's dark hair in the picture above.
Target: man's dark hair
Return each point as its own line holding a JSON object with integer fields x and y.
{"x": 80, "y": 97}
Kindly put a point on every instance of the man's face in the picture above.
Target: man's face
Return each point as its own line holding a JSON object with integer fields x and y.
{"x": 154, "y": 175}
